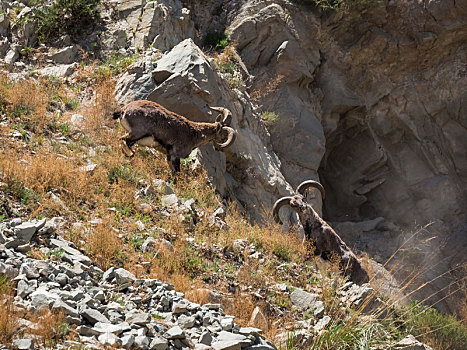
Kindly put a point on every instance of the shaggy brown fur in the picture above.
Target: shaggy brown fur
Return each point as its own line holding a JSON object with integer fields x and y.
{"x": 150, "y": 124}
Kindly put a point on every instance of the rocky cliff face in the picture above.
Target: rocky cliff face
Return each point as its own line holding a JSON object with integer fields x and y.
{"x": 369, "y": 102}
{"x": 372, "y": 104}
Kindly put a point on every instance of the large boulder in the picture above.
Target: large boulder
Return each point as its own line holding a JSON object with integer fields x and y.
{"x": 162, "y": 24}
{"x": 184, "y": 80}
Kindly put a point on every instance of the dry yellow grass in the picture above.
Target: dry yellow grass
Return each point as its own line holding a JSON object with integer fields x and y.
{"x": 49, "y": 328}
{"x": 9, "y": 315}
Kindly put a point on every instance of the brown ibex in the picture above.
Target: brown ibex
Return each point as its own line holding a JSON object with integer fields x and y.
{"x": 325, "y": 239}
{"x": 150, "y": 124}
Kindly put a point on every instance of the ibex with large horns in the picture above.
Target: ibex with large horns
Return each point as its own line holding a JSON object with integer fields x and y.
{"x": 150, "y": 124}
{"x": 326, "y": 240}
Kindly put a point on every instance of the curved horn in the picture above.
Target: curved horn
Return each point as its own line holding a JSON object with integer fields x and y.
{"x": 279, "y": 204}
{"x": 230, "y": 139}
{"x": 225, "y": 112}
{"x": 310, "y": 183}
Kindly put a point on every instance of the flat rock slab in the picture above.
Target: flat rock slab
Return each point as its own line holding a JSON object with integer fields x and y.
{"x": 302, "y": 299}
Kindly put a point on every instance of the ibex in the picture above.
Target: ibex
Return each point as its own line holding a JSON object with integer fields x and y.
{"x": 325, "y": 239}
{"x": 150, "y": 124}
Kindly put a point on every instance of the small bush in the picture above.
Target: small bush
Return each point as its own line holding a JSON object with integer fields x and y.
{"x": 435, "y": 329}
{"x": 65, "y": 17}
{"x": 270, "y": 119}
{"x": 216, "y": 40}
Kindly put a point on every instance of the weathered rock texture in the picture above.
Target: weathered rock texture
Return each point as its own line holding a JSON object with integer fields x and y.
{"x": 375, "y": 103}
{"x": 371, "y": 103}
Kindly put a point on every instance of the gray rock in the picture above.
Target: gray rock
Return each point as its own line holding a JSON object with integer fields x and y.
{"x": 8, "y": 270}
{"x": 175, "y": 333}
{"x": 246, "y": 331}
{"x": 227, "y": 323}
{"x": 205, "y": 338}
{"x": 23, "y": 344}
{"x": 179, "y": 308}
{"x": 127, "y": 341}
{"x": 61, "y": 70}
{"x": 122, "y": 276}
{"x": 139, "y": 318}
{"x": 169, "y": 200}
{"x": 186, "y": 321}
{"x": 43, "y": 298}
{"x": 12, "y": 55}
{"x": 109, "y": 339}
{"x": 64, "y": 56}
{"x": 65, "y": 308}
{"x": 94, "y": 316}
{"x": 142, "y": 341}
{"x": 74, "y": 253}
{"x": 410, "y": 343}
{"x": 226, "y": 345}
{"x": 159, "y": 343}
{"x": 322, "y": 323}
{"x": 26, "y": 230}
{"x": 224, "y": 336}
{"x": 302, "y": 299}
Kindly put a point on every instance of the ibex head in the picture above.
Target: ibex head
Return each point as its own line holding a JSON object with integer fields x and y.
{"x": 223, "y": 121}
{"x": 297, "y": 201}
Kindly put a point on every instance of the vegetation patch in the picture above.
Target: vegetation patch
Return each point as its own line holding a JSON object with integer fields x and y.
{"x": 71, "y": 17}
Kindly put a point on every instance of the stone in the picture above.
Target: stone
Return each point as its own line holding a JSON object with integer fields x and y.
{"x": 175, "y": 333}
{"x": 12, "y": 55}
{"x": 410, "y": 343}
{"x": 127, "y": 341}
{"x": 8, "y": 270}
{"x": 186, "y": 321}
{"x": 139, "y": 318}
{"x": 179, "y": 308}
{"x": 93, "y": 316}
{"x": 205, "y": 338}
{"x": 302, "y": 299}
{"x": 109, "y": 339}
{"x": 141, "y": 341}
{"x": 59, "y": 71}
{"x": 226, "y": 345}
{"x": 159, "y": 343}
{"x": 322, "y": 323}
{"x": 242, "y": 340}
{"x": 122, "y": 276}
{"x": 258, "y": 319}
{"x": 65, "y": 308}
{"x": 66, "y": 55}
{"x": 24, "y": 344}
{"x": 169, "y": 200}
{"x": 162, "y": 187}
{"x": 164, "y": 25}
{"x": 26, "y": 230}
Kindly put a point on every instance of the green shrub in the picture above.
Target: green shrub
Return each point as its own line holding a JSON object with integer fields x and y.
{"x": 65, "y": 17}
{"x": 270, "y": 119}
{"x": 435, "y": 329}
{"x": 216, "y": 40}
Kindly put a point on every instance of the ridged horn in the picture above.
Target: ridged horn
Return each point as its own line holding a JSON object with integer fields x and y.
{"x": 279, "y": 204}
{"x": 225, "y": 112}
{"x": 311, "y": 183}
{"x": 230, "y": 139}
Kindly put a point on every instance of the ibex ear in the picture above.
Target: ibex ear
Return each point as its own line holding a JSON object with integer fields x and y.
{"x": 219, "y": 118}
